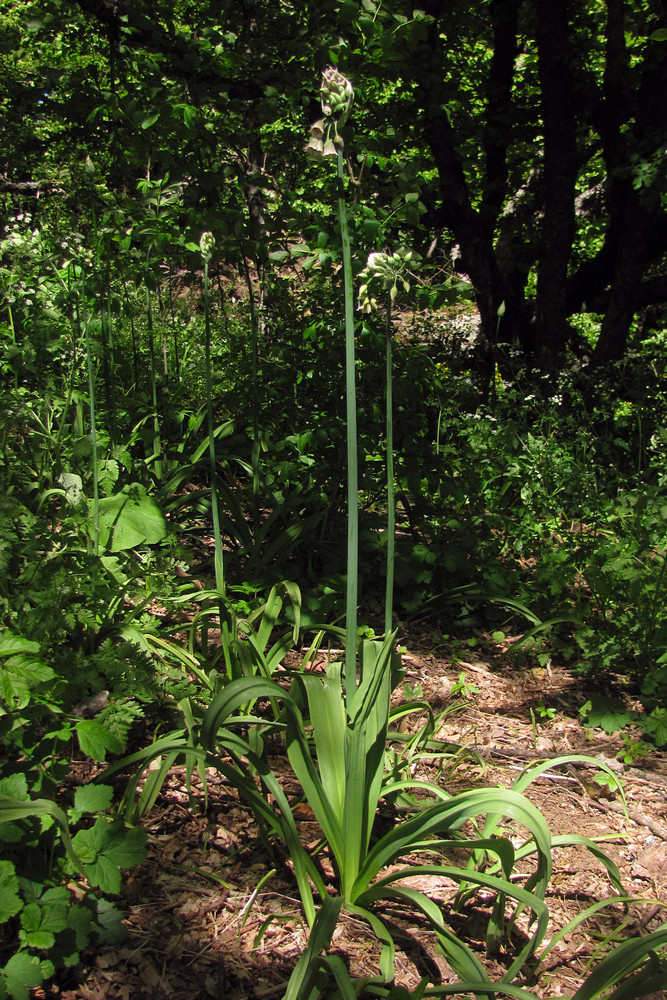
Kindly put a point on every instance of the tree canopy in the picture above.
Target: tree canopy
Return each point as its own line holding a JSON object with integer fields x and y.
{"x": 526, "y": 140}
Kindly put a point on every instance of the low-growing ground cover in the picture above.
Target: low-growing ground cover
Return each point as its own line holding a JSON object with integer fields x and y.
{"x": 210, "y": 914}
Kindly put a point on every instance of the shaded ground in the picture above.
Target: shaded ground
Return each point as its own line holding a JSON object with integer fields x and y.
{"x": 210, "y": 915}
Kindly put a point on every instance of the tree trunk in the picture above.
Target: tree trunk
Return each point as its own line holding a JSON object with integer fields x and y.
{"x": 555, "y": 66}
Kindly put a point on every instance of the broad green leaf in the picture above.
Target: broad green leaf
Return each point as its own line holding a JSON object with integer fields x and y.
{"x": 10, "y": 901}
{"x": 129, "y": 519}
{"x": 40, "y": 924}
{"x": 15, "y": 786}
{"x": 10, "y": 644}
{"x": 92, "y": 798}
{"x": 95, "y": 740}
{"x": 106, "y": 848}
{"x": 22, "y": 971}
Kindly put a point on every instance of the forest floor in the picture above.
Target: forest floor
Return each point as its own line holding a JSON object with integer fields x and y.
{"x": 208, "y": 916}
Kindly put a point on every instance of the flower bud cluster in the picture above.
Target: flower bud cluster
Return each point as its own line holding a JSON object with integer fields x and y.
{"x": 206, "y": 246}
{"x": 384, "y": 272}
{"x": 337, "y": 95}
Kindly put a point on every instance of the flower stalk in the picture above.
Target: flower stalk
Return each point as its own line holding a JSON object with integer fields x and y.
{"x": 384, "y": 271}
{"x": 337, "y": 96}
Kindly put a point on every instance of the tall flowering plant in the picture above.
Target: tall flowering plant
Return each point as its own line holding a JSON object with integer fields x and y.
{"x": 337, "y": 96}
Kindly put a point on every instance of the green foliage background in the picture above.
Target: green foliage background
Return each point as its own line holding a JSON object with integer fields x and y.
{"x": 529, "y": 372}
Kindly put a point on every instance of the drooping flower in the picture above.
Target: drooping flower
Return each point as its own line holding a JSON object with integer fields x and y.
{"x": 336, "y": 96}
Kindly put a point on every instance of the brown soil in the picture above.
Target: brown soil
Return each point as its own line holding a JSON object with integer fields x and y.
{"x": 207, "y": 915}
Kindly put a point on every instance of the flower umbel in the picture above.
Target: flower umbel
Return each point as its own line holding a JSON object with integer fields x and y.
{"x": 337, "y": 95}
{"x": 384, "y": 272}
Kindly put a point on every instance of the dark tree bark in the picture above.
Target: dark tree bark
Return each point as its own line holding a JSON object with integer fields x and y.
{"x": 473, "y": 228}
{"x": 556, "y": 70}
{"x": 634, "y": 207}
{"x": 498, "y": 124}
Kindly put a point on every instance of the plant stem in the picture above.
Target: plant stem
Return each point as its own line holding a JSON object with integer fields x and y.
{"x": 254, "y": 338}
{"x": 217, "y": 536}
{"x": 351, "y": 414}
{"x": 157, "y": 443}
{"x": 93, "y": 433}
{"x": 391, "y": 501}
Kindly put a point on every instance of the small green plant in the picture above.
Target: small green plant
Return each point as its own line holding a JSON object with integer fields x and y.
{"x": 633, "y": 750}
{"x": 44, "y": 926}
{"x": 544, "y": 714}
{"x": 461, "y": 688}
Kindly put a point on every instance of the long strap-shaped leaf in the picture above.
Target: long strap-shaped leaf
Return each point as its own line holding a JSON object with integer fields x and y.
{"x": 500, "y": 886}
{"x": 301, "y": 984}
{"x": 451, "y": 816}
{"x": 17, "y": 809}
{"x": 623, "y": 960}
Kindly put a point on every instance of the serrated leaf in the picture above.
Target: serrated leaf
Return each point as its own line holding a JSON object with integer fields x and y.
{"x": 608, "y": 714}
{"x": 31, "y": 917}
{"x": 128, "y": 848}
{"x": 10, "y": 901}
{"x": 110, "y": 921}
{"x": 38, "y": 939}
{"x": 30, "y": 669}
{"x": 79, "y": 920}
{"x": 92, "y": 798}
{"x": 106, "y": 848}
{"x": 108, "y": 475}
{"x": 95, "y": 740}
{"x": 104, "y": 874}
{"x": 21, "y": 971}
{"x": 15, "y": 786}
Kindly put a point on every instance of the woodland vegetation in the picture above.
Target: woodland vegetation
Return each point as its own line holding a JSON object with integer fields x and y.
{"x": 259, "y": 398}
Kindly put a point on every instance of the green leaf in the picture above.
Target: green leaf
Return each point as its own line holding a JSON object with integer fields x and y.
{"x": 10, "y": 644}
{"x": 656, "y": 725}
{"x": 12, "y": 810}
{"x": 95, "y": 740}
{"x": 129, "y": 519}
{"x": 10, "y": 901}
{"x": 106, "y": 848}
{"x": 608, "y": 714}
{"x": 92, "y": 798}
{"x": 41, "y": 921}
{"x": 110, "y": 920}
{"x": 22, "y": 971}
{"x": 15, "y": 786}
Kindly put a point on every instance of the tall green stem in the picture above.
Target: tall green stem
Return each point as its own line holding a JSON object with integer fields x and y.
{"x": 391, "y": 501}
{"x": 93, "y": 432}
{"x": 158, "y": 466}
{"x": 351, "y": 414}
{"x": 254, "y": 338}
{"x": 217, "y": 535}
